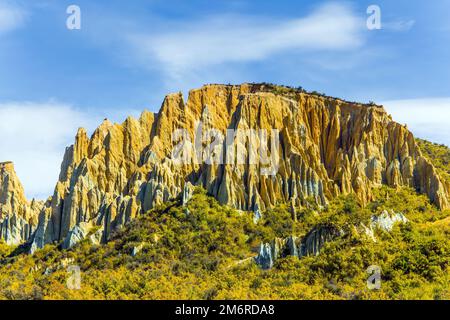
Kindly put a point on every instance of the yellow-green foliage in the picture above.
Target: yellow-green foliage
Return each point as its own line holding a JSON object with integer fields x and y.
{"x": 206, "y": 253}
{"x": 439, "y": 155}
{"x": 5, "y": 250}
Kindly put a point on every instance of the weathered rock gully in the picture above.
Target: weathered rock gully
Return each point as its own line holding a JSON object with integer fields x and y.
{"x": 328, "y": 147}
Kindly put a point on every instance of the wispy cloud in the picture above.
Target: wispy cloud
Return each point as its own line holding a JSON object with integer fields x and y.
{"x": 427, "y": 118}
{"x": 223, "y": 39}
{"x": 11, "y": 16}
{"x": 34, "y": 137}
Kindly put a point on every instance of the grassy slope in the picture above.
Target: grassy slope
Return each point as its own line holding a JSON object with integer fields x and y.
{"x": 204, "y": 255}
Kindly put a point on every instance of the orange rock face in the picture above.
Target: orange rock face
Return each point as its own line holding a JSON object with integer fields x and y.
{"x": 325, "y": 147}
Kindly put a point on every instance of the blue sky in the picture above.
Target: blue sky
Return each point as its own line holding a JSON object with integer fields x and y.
{"x": 126, "y": 57}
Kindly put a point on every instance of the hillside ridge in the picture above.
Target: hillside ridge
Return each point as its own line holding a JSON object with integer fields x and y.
{"x": 327, "y": 147}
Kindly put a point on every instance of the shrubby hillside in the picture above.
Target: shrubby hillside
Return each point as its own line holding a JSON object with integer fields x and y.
{"x": 144, "y": 242}
{"x": 205, "y": 251}
{"x": 438, "y": 154}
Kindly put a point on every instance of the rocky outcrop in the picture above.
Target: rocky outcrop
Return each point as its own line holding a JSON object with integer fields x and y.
{"x": 311, "y": 244}
{"x": 77, "y": 234}
{"x": 313, "y": 148}
{"x": 385, "y": 222}
{"x": 316, "y": 238}
{"x": 188, "y": 192}
{"x": 18, "y": 217}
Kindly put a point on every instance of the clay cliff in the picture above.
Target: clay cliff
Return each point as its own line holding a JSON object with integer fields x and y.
{"x": 18, "y": 217}
{"x": 322, "y": 147}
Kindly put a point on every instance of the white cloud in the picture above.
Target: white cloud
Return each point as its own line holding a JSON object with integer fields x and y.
{"x": 236, "y": 38}
{"x": 427, "y": 118}
{"x": 34, "y": 136}
{"x": 11, "y": 16}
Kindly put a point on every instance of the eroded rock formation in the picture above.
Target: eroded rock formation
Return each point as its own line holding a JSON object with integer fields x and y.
{"x": 18, "y": 217}
{"x": 309, "y": 245}
{"x": 327, "y": 147}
